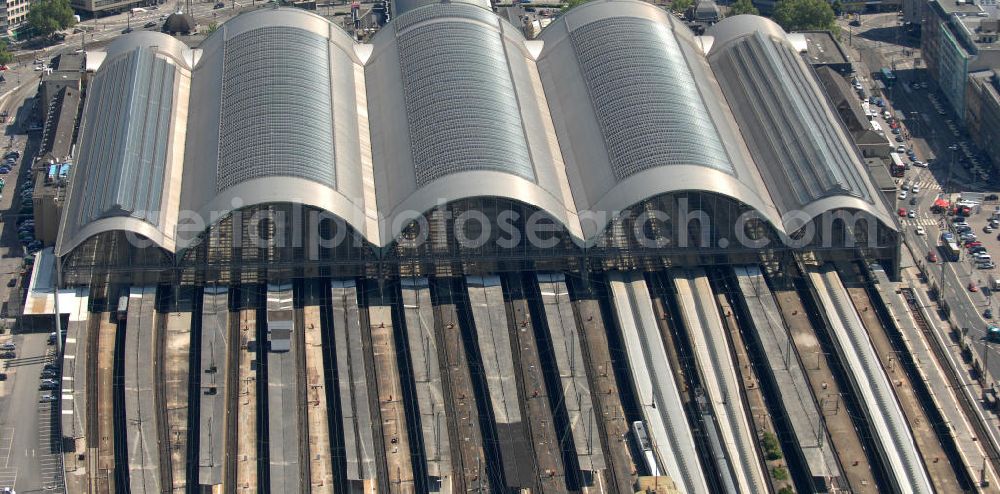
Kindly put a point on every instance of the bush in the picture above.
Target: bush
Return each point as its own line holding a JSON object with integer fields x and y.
{"x": 772, "y": 450}
{"x": 786, "y": 490}
{"x": 740, "y": 7}
{"x": 779, "y": 473}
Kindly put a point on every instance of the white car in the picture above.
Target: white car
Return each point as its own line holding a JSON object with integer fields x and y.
{"x": 886, "y": 115}
{"x": 915, "y": 189}
{"x": 920, "y": 230}
{"x": 902, "y": 195}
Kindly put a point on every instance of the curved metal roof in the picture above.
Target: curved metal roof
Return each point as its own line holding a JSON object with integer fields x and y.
{"x": 637, "y": 111}
{"x": 401, "y": 7}
{"x": 802, "y": 149}
{"x": 459, "y": 114}
{"x": 129, "y": 162}
{"x": 615, "y": 103}
{"x": 277, "y": 116}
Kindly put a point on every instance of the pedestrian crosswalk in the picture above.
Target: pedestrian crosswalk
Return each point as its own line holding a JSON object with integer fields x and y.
{"x": 926, "y": 184}
{"x": 918, "y": 221}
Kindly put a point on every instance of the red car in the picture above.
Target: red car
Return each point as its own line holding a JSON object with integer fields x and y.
{"x": 902, "y": 212}
{"x": 894, "y": 125}
{"x": 974, "y": 243}
{"x": 932, "y": 257}
{"x": 973, "y": 287}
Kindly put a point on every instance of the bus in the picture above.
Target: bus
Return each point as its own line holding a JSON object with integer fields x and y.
{"x": 897, "y": 168}
{"x": 888, "y": 77}
{"x": 953, "y": 251}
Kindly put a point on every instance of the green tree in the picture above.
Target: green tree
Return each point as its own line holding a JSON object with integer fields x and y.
{"x": 779, "y": 473}
{"x": 6, "y": 56}
{"x": 681, "y": 6}
{"x": 49, "y": 16}
{"x": 786, "y": 490}
{"x": 740, "y": 7}
{"x": 804, "y": 15}
{"x": 772, "y": 449}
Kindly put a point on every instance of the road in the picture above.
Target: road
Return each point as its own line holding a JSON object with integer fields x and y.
{"x": 880, "y": 42}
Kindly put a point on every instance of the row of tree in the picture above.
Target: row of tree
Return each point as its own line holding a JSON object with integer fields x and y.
{"x": 792, "y": 15}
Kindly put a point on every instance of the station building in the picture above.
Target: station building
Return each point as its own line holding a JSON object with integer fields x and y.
{"x": 282, "y": 148}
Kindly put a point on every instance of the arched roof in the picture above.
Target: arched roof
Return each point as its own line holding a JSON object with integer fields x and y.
{"x": 401, "y": 7}
{"x": 275, "y": 101}
{"x": 131, "y": 148}
{"x": 637, "y": 111}
{"x": 615, "y": 103}
{"x": 804, "y": 153}
{"x": 460, "y": 114}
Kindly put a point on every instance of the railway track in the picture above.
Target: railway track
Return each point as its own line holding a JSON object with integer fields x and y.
{"x": 965, "y": 399}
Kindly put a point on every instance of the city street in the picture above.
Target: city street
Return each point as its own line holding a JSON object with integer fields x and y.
{"x": 936, "y": 137}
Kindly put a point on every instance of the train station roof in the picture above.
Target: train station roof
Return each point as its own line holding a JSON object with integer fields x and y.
{"x": 615, "y": 103}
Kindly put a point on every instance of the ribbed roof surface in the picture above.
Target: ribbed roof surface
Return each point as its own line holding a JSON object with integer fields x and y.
{"x": 614, "y": 104}
{"x": 125, "y": 156}
{"x": 277, "y": 115}
{"x": 460, "y": 102}
{"x": 645, "y": 97}
{"x": 799, "y": 146}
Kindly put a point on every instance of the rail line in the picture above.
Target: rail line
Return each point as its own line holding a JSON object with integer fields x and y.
{"x": 722, "y": 386}
{"x": 356, "y": 417}
{"x": 282, "y": 354}
{"x": 656, "y": 390}
{"x": 573, "y": 384}
{"x": 788, "y": 378}
{"x": 895, "y": 441}
{"x": 465, "y": 434}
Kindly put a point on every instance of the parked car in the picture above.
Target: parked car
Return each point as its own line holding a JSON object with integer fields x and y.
{"x": 11, "y": 282}
{"x": 988, "y": 313}
{"x": 920, "y": 230}
{"x": 899, "y": 138}
{"x": 902, "y": 212}
{"x": 127, "y": 30}
{"x": 47, "y": 398}
{"x": 7, "y": 355}
{"x": 912, "y": 213}
{"x": 8, "y": 346}
{"x": 149, "y": 24}
{"x": 47, "y": 385}
{"x": 932, "y": 257}
{"x": 986, "y": 265}
{"x": 219, "y": 5}
{"x": 972, "y": 244}
{"x": 972, "y": 287}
